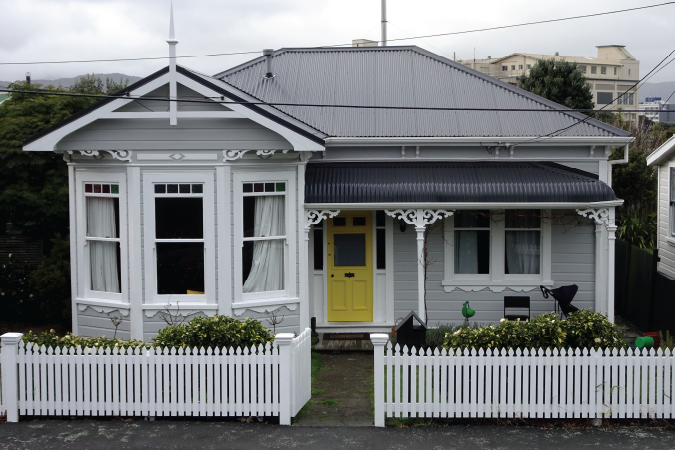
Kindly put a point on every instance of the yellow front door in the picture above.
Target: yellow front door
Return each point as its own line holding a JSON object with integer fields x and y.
{"x": 350, "y": 267}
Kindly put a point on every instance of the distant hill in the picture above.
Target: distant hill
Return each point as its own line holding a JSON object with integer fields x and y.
{"x": 662, "y": 90}
{"x": 67, "y": 82}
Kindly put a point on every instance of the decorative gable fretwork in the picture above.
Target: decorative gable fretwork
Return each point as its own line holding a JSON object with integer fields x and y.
{"x": 232, "y": 155}
{"x": 122, "y": 155}
{"x": 600, "y": 215}
{"x": 420, "y": 218}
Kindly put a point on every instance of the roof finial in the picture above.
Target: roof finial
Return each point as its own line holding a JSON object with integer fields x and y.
{"x": 172, "y": 33}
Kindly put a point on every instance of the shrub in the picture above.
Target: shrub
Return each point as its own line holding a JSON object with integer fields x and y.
{"x": 590, "y": 329}
{"x": 583, "y": 329}
{"x": 50, "y": 283}
{"x": 17, "y": 302}
{"x": 50, "y": 339}
{"x": 216, "y": 332}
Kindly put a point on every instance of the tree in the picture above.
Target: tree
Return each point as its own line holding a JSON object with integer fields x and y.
{"x": 559, "y": 81}
{"x": 34, "y": 185}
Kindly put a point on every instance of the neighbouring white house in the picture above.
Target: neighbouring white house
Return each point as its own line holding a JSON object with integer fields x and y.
{"x": 663, "y": 158}
{"x": 240, "y": 198}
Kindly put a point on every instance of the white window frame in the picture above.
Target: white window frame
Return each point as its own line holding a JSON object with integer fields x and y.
{"x": 497, "y": 280}
{"x": 594, "y": 70}
{"x": 150, "y": 240}
{"x": 83, "y": 268}
{"x": 290, "y": 250}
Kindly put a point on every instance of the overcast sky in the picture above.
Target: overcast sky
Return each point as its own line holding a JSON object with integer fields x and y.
{"x": 47, "y": 30}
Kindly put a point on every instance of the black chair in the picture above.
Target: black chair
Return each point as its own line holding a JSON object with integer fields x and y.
{"x": 518, "y": 303}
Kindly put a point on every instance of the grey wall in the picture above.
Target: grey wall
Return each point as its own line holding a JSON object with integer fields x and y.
{"x": 151, "y": 325}
{"x": 157, "y": 134}
{"x": 666, "y": 249}
{"x": 572, "y": 262}
{"x": 290, "y": 324}
{"x": 92, "y": 323}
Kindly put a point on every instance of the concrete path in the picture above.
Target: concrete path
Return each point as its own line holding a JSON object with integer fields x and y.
{"x": 341, "y": 395}
{"x": 94, "y": 435}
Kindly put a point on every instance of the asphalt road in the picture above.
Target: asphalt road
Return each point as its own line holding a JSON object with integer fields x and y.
{"x": 90, "y": 434}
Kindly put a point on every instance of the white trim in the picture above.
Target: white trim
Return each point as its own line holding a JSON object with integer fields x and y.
{"x": 290, "y": 302}
{"x": 83, "y": 270}
{"x": 661, "y": 153}
{"x": 521, "y": 141}
{"x": 224, "y": 211}
{"x": 181, "y": 115}
{"x": 100, "y": 302}
{"x": 299, "y": 142}
{"x": 303, "y": 266}
{"x": 290, "y": 254}
{"x": 207, "y": 178}
{"x": 497, "y": 280}
{"x": 49, "y": 141}
{"x": 353, "y": 327}
{"x": 460, "y": 206}
{"x": 135, "y": 251}
{"x": 389, "y": 240}
{"x": 72, "y": 203}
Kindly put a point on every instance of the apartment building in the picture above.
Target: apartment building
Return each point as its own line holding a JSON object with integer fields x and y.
{"x": 656, "y": 110}
{"x": 611, "y": 74}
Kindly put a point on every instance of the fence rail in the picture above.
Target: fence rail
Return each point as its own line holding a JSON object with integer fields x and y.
{"x": 270, "y": 380}
{"x": 513, "y": 383}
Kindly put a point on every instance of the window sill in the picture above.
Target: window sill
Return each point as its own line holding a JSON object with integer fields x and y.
{"x": 260, "y": 305}
{"x": 104, "y": 306}
{"x": 670, "y": 241}
{"x": 183, "y": 309}
{"x": 494, "y": 286}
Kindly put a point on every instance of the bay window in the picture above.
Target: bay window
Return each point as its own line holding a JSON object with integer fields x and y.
{"x": 179, "y": 238}
{"x": 264, "y": 226}
{"x": 102, "y": 243}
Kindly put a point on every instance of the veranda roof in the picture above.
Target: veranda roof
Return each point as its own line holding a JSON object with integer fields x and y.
{"x": 451, "y": 182}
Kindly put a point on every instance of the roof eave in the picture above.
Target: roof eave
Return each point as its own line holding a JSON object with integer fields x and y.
{"x": 478, "y": 140}
{"x": 465, "y": 205}
{"x": 662, "y": 153}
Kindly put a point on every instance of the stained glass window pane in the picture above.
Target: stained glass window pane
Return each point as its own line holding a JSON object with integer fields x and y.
{"x": 106, "y": 189}
{"x": 248, "y": 187}
{"x": 160, "y": 188}
{"x": 114, "y": 189}
{"x": 97, "y": 189}
{"x": 281, "y": 187}
{"x": 197, "y": 188}
{"x": 184, "y": 188}
{"x": 88, "y": 188}
{"x": 172, "y": 189}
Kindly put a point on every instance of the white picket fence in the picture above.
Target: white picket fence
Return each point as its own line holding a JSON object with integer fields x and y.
{"x": 270, "y": 380}
{"x": 513, "y": 383}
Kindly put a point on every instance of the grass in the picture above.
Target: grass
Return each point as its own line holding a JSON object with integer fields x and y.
{"x": 329, "y": 401}
{"x": 317, "y": 362}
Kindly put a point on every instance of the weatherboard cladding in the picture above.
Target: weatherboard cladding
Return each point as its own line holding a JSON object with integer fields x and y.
{"x": 401, "y": 76}
{"x": 451, "y": 182}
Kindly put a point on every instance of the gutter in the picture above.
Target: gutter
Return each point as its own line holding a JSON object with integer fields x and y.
{"x": 464, "y": 205}
{"x": 616, "y": 161}
{"x": 480, "y": 140}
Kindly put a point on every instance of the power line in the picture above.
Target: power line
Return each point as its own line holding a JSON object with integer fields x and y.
{"x": 343, "y": 45}
{"x": 309, "y": 105}
{"x": 592, "y": 115}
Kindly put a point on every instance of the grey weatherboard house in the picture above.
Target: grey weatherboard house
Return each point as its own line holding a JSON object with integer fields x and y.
{"x": 240, "y": 199}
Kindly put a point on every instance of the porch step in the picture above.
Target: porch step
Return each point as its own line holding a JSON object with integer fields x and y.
{"x": 344, "y": 342}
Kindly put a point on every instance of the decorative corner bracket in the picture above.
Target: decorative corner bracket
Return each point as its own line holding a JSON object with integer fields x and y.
{"x": 315, "y": 216}
{"x": 420, "y": 218}
{"x": 232, "y": 155}
{"x": 600, "y": 216}
{"x": 122, "y": 155}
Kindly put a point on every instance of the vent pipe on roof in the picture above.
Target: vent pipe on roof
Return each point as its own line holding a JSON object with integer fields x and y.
{"x": 384, "y": 23}
{"x": 268, "y": 52}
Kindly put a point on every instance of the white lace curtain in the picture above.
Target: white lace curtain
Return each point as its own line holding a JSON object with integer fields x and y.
{"x": 101, "y": 222}
{"x": 522, "y": 252}
{"x": 267, "y": 268}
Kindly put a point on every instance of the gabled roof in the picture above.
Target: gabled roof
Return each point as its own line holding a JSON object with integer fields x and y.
{"x": 663, "y": 153}
{"x": 401, "y": 76}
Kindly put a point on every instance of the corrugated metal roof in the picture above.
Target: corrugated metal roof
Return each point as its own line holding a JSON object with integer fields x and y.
{"x": 451, "y": 182}
{"x": 400, "y": 76}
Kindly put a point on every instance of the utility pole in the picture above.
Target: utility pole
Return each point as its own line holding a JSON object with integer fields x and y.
{"x": 384, "y": 23}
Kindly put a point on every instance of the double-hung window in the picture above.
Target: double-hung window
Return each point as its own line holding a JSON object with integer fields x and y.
{"x": 102, "y": 246}
{"x": 497, "y": 249}
{"x": 264, "y": 225}
{"x": 179, "y": 238}
{"x": 522, "y": 237}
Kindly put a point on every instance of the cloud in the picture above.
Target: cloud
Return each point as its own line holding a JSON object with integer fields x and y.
{"x": 43, "y": 30}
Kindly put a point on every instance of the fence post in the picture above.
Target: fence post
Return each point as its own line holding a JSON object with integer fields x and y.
{"x": 379, "y": 341}
{"x": 10, "y": 376}
{"x": 286, "y": 382}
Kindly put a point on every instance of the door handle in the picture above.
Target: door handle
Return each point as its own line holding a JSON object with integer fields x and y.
{"x": 349, "y": 275}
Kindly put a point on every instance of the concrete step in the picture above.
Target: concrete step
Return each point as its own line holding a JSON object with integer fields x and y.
{"x": 344, "y": 342}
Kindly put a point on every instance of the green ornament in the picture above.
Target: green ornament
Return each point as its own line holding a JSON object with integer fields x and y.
{"x": 466, "y": 311}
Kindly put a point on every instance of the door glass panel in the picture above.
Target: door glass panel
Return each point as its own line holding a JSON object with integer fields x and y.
{"x": 349, "y": 249}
